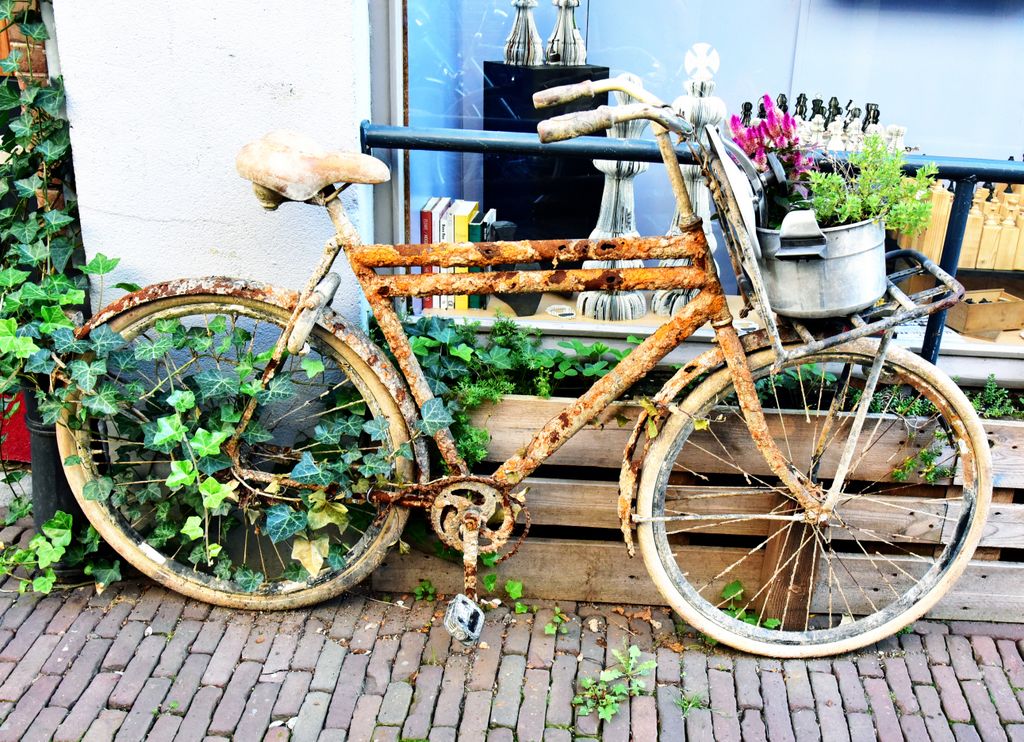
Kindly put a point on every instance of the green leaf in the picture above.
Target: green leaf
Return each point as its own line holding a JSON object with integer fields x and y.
{"x": 377, "y": 428}
{"x": 87, "y": 373}
{"x": 182, "y": 400}
{"x": 10, "y": 277}
{"x": 104, "y": 573}
{"x": 336, "y": 557}
{"x": 308, "y": 471}
{"x": 151, "y": 350}
{"x": 550, "y": 629}
{"x": 463, "y": 351}
{"x": 105, "y": 340}
{"x": 40, "y": 362}
{"x": 53, "y": 317}
{"x": 193, "y": 527}
{"x": 100, "y": 265}
{"x": 490, "y": 581}
{"x": 9, "y": 64}
{"x": 58, "y": 528}
{"x": 247, "y": 580}
{"x": 52, "y": 150}
{"x": 103, "y": 402}
{"x": 216, "y": 384}
{"x": 434, "y": 416}
{"x": 44, "y": 583}
{"x": 169, "y": 429}
{"x": 733, "y": 590}
{"x": 312, "y": 366}
{"x": 98, "y": 490}
{"x": 183, "y": 474}
{"x": 27, "y": 187}
{"x": 65, "y": 342}
{"x": 55, "y": 220}
{"x": 214, "y": 493}
{"x": 35, "y": 31}
{"x": 279, "y": 389}
{"x": 205, "y": 443}
{"x": 283, "y": 522}
{"x": 73, "y": 460}
{"x": 772, "y": 623}
{"x": 514, "y": 589}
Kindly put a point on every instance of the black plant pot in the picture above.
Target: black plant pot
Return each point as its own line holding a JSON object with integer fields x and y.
{"x": 50, "y": 489}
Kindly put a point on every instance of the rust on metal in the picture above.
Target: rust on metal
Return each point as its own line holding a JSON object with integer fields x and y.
{"x": 483, "y": 254}
{"x": 644, "y": 357}
{"x": 539, "y": 281}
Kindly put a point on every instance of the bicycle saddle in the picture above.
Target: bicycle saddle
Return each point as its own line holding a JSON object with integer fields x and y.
{"x": 285, "y": 165}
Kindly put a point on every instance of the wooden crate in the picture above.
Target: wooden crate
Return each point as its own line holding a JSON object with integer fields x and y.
{"x": 1001, "y": 311}
{"x": 578, "y": 519}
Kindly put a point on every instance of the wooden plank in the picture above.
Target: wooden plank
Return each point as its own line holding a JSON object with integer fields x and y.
{"x": 579, "y": 503}
{"x": 601, "y": 572}
{"x": 716, "y": 450}
{"x": 598, "y": 571}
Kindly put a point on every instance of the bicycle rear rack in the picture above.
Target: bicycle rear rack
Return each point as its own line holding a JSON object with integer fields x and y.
{"x": 895, "y": 308}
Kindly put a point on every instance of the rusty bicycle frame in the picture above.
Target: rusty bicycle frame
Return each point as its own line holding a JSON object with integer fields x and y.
{"x": 709, "y": 305}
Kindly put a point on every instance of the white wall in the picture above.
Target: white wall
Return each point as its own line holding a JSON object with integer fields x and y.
{"x": 162, "y": 95}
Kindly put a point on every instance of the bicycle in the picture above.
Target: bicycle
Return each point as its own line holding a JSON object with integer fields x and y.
{"x": 284, "y": 430}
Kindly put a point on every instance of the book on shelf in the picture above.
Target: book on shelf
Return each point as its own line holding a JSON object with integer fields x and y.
{"x": 481, "y": 228}
{"x": 436, "y": 223}
{"x": 426, "y": 237}
{"x": 461, "y": 213}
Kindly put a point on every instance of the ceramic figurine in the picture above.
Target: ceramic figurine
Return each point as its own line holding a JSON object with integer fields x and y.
{"x": 566, "y": 47}
{"x": 700, "y": 107}
{"x": 616, "y": 219}
{"x": 895, "y": 135}
{"x": 523, "y": 45}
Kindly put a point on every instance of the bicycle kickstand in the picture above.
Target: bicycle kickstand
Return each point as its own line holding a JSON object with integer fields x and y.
{"x": 464, "y": 619}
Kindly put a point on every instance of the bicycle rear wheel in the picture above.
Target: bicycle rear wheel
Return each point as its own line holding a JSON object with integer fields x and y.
{"x": 732, "y": 551}
{"x": 284, "y": 525}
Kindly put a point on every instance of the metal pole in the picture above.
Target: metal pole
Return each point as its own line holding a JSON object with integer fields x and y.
{"x": 955, "y": 229}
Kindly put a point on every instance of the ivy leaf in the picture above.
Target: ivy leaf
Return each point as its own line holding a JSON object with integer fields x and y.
{"x": 311, "y": 553}
{"x": 442, "y": 332}
{"x": 514, "y": 589}
{"x": 377, "y": 428}
{"x": 65, "y": 342}
{"x": 308, "y": 471}
{"x": 44, "y": 583}
{"x": 323, "y": 512}
{"x": 35, "y": 31}
{"x": 169, "y": 429}
{"x": 100, "y": 265}
{"x": 9, "y": 64}
{"x": 733, "y": 590}
{"x": 256, "y": 433}
{"x": 490, "y": 581}
{"x": 434, "y": 416}
{"x": 215, "y": 384}
{"x": 87, "y": 373}
{"x": 183, "y": 474}
{"x": 58, "y": 528}
{"x": 51, "y": 150}
{"x": 98, "y": 490}
{"x": 21, "y": 127}
{"x": 103, "y": 402}
{"x": 182, "y": 400}
{"x": 462, "y": 351}
{"x": 163, "y": 533}
{"x": 336, "y": 557}
{"x": 205, "y": 443}
{"x": 104, "y": 573}
{"x": 40, "y": 362}
{"x": 283, "y": 522}
{"x": 11, "y": 277}
{"x": 312, "y": 366}
{"x": 193, "y": 527}
{"x": 214, "y": 493}
{"x": 151, "y": 350}
{"x": 247, "y": 580}
{"x": 279, "y": 389}
{"x": 27, "y": 187}
{"x": 53, "y": 317}
{"x": 104, "y": 340}
{"x": 376, "y": 463}
{"x": 55, "y": 220}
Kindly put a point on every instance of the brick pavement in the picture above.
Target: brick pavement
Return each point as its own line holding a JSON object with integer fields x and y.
{"x": 139, "y": 662}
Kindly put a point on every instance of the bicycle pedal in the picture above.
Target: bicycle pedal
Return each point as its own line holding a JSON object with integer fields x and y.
{"x": 464, "y": 620}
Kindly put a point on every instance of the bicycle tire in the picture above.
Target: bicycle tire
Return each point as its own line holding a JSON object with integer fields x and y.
{"x": 929, "y": 566}
{"x": 360, "y": 366}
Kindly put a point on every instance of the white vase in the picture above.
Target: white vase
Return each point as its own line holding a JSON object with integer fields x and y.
{"x": 523, "y": 45}
{"x": 565, "y": 46}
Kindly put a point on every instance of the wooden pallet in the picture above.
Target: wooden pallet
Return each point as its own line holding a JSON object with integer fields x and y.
{"x": 580, "y": 525}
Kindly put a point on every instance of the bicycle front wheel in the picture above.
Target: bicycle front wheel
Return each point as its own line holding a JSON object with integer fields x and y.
{"x": 736, "y": 555}
{"x": 282, "y": 523}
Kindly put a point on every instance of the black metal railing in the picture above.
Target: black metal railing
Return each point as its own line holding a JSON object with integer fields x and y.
{"x": 963, "y": 172}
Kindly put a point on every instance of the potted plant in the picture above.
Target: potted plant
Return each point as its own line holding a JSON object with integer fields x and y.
{"x": 822, "y": 240}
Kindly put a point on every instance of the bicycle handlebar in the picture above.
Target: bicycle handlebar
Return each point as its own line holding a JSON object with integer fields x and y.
{"x": 563, "y": 94}
{"x": 570, "y": 125}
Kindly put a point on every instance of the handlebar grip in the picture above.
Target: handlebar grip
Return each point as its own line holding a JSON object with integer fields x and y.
{"x": 572, "y": 125}
{"x": 563, "y": 94}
